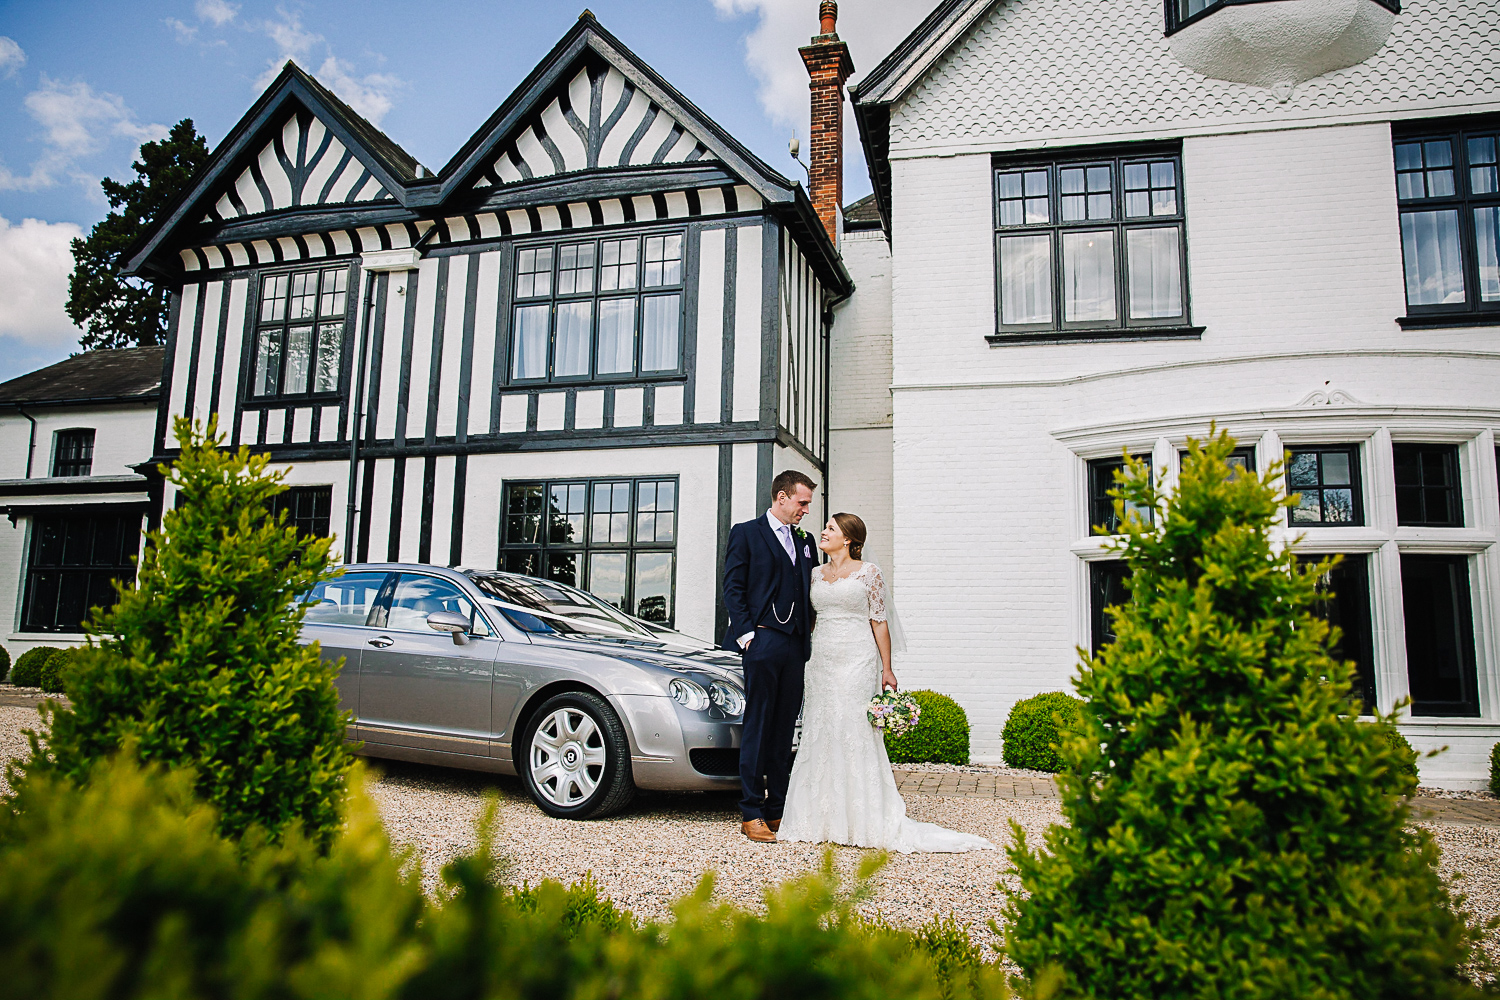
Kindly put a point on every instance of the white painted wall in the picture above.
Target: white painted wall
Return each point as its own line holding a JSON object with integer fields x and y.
{"x": 122, "y": 438}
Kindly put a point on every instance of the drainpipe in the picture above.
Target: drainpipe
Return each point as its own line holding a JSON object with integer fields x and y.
{"x": 372, "y": 263}
{"x": 30, "y": 445}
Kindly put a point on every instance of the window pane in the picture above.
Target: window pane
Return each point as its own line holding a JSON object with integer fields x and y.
{"x": 1026, "y": 279}
{"x": 523, "y": 515}
{"x": 617, "y": 265}
{"x": 1439, "y": 622}
{"x": 335, "y": 291}
{"x": 345, "y": 601}
{"x": 616, "y": 336}
{"x": 1482, "y": 179}
{"x": 1309, "y": 509}
{"x": 1071, "y": 183}
{"x": 304, "y": 302}
{"x": 267, "y": 363}
{"x": 1023, "y": 197}
{"x": 298, "y": 358}
{"x": 575, "y": 269}
{"x": 1155, "y": 273}
{"x": 1487, "y": 244}
{"x": 1338, "y": 506}
{"x": 653, "y": 586}
{"x": 1439, "y": 162}
{"x": 531, "y": 342}
{"x": 1434, "y": 264}
{"x": 567, "y": 514}
{"x": 611, "y": 521}
{"x": 607, "y": 577}
{"x": 659, "y": 316}
{"x": 565, "y": 567}
{"x": 534, "y": 272}
{"x": 330, "y": 356}
{"x": 416, "y": 597}
{"x": 663, "y": 260}
{"x": 574, "y": 320}
{"x": 1089, "y": 277}
{"x": 273, "y": 298}
{"x": 1336, "y": 468}
{"x": 1302, "y": 470}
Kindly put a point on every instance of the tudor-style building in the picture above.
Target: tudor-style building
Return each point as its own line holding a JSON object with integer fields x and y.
{"x": 580, "y": 349}
{"x": 1112, "y": 224}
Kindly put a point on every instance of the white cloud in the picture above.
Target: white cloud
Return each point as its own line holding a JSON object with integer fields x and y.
{"x": 11, "y": 57}
{"x": 76, "y": 122}
{"x": 871, "y": 27}
{"x": 185, "y": 32}
{"x": 220, "y": 12}
{"x": 35, "y": 261}
{"x": 371, "y": 95}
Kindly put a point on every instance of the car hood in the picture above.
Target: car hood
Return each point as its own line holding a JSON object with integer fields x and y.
{"x": 715, "y": 663}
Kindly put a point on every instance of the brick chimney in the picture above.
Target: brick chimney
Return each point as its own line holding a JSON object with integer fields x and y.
{"x": 829, "y": 65}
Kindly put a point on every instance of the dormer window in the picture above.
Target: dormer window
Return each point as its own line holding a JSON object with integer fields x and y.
{"x": 1181, "y": 13}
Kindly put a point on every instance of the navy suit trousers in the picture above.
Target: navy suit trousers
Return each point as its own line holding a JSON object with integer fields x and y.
{"x": 773, "y": 698}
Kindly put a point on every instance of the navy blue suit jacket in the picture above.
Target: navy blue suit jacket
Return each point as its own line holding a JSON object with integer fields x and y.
{"x": 754, "y": 568}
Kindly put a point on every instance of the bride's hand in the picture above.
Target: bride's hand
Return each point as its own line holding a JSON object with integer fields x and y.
{"x": 888, "y": 680}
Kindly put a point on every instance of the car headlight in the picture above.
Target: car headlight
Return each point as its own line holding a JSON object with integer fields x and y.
{"x": 688, "y": 694}
{"x": 729, "y": 699}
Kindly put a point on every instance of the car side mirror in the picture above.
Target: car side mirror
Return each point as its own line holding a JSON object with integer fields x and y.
{"x": 453, "y": 623}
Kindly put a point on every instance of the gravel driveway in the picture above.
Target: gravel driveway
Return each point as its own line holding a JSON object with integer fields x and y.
{"x": 660, "y": 847}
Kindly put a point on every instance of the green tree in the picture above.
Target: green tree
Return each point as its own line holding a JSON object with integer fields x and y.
{"x": 128, "y": 312}
{"x": 1233, "y": 830}
{"x": 199, "y": 664}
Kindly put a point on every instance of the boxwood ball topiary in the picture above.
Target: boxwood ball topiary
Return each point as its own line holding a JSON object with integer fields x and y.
{"x": 941, "y": 736}
{"x": 52, "y": 678}
{"x": 4, "y": 662}
{"x": 1390, "y": 738}
{"x": 28, "y": 669}
{"x": 1495, "y": 768}
{"x": 1031, "y": 736}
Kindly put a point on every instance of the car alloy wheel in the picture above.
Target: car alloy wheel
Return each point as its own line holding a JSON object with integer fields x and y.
{"x": 577, "y": 759}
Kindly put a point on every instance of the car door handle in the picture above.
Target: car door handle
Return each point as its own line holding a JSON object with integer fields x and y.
{"x": 380, "y": 642}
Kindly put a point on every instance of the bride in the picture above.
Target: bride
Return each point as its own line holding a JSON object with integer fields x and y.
{"x": 842, "y": 789}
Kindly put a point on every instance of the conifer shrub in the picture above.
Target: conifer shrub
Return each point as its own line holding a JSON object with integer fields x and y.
{"x": 123, "y": 887}
{"x": 28, "y": 668}
{"x": 941, "y": 735}
{"x": 4, "y": 662}
{"x": 1033, "y": 730}
{"x": 1232, "y": 829}
{"x": 198, "y": 664}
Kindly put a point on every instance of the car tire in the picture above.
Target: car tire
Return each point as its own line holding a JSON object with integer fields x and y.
{"x": 575, "y": 758}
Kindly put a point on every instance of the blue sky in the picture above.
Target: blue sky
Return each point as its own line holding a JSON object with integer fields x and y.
{"x": 83, "y": 84}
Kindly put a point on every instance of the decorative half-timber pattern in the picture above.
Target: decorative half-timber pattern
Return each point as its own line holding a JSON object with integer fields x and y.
{"x": 304, "y": 164}
{"x": 599, "y": 120}
{"x": 661, "y": 206}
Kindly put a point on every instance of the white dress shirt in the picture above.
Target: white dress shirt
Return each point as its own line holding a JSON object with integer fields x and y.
{"x": 782, "y": 531}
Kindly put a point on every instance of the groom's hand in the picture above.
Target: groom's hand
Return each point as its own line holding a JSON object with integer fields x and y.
{"x": 744, "y": 641}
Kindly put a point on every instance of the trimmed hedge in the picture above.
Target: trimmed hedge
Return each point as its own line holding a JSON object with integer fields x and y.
{"x": 54, "y": 673}
{"x": 1391, "y": 738}
{"x": 28, "y": 669}
{"x": 941, "y": 736}
{"x": 4, "y": 662}
{"x": 1031, "y": 738}
{"x": 1495, "y": 769}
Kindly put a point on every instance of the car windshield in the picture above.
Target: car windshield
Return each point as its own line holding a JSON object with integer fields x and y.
{"x": 557, "y": 607}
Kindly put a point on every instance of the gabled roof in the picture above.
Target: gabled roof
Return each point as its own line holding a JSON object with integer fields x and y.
{"x": 298, "y": 145}
{"x": 591, "y": 103}
{"x": 897, "y": 73}
{"x": 119, "y": 376}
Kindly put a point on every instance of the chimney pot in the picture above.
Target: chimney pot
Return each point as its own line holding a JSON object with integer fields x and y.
{"x": 828, "y": 15}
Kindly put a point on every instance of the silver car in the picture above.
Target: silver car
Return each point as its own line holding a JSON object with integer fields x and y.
{"x": 501, "y": 672}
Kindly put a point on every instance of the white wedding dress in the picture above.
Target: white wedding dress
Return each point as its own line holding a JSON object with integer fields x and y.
{"x": 842, "y": 789}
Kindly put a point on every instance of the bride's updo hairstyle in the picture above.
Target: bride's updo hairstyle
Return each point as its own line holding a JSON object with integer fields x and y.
{"x": 854, "y": 530}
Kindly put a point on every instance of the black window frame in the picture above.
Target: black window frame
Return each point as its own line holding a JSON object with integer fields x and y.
{"x": 1108, "y": 587}
{"x": 1176, "y": 20}
{"x": 1422, "y": 649}
{"x": 1343, "y": 592}
{"x": 514, "y": 302}
{"x": 1355, "y": 484}
{"x": 1457, "y": 132}
{"x": 1100, "y": 472}
{"x": 50, "y": 528}
{"x": 251, "y": 369}
{"x": 73, "y": 453}
{"x": 309, "y": 509}
{"x": 1422, "y": 491}
{"x": 1117, "y": 158}
{"x": 514, "y": 552}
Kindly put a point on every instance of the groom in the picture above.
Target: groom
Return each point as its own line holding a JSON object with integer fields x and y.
{"x": 767, "y": 574}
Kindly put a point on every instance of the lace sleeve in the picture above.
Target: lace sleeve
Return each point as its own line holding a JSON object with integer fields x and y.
{"x": 875, "y": 588}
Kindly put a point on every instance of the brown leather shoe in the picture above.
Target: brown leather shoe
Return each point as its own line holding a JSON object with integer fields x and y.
{"x": 774, "y": 824}
{"x": 758, "y": 831}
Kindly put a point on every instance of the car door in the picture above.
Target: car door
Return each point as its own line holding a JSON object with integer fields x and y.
{"x": 337, "y": 620}
{"x": 418, "y": 687}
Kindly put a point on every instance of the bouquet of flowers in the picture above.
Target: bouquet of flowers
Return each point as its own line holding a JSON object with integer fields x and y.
{"x": 894, "y": 713}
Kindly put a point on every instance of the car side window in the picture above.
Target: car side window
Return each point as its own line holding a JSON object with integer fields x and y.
{"x": 344, "y": 601}
{"x": 416, "y": 597}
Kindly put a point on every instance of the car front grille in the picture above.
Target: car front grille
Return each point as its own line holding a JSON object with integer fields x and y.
{"x": 716, "y": 761}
